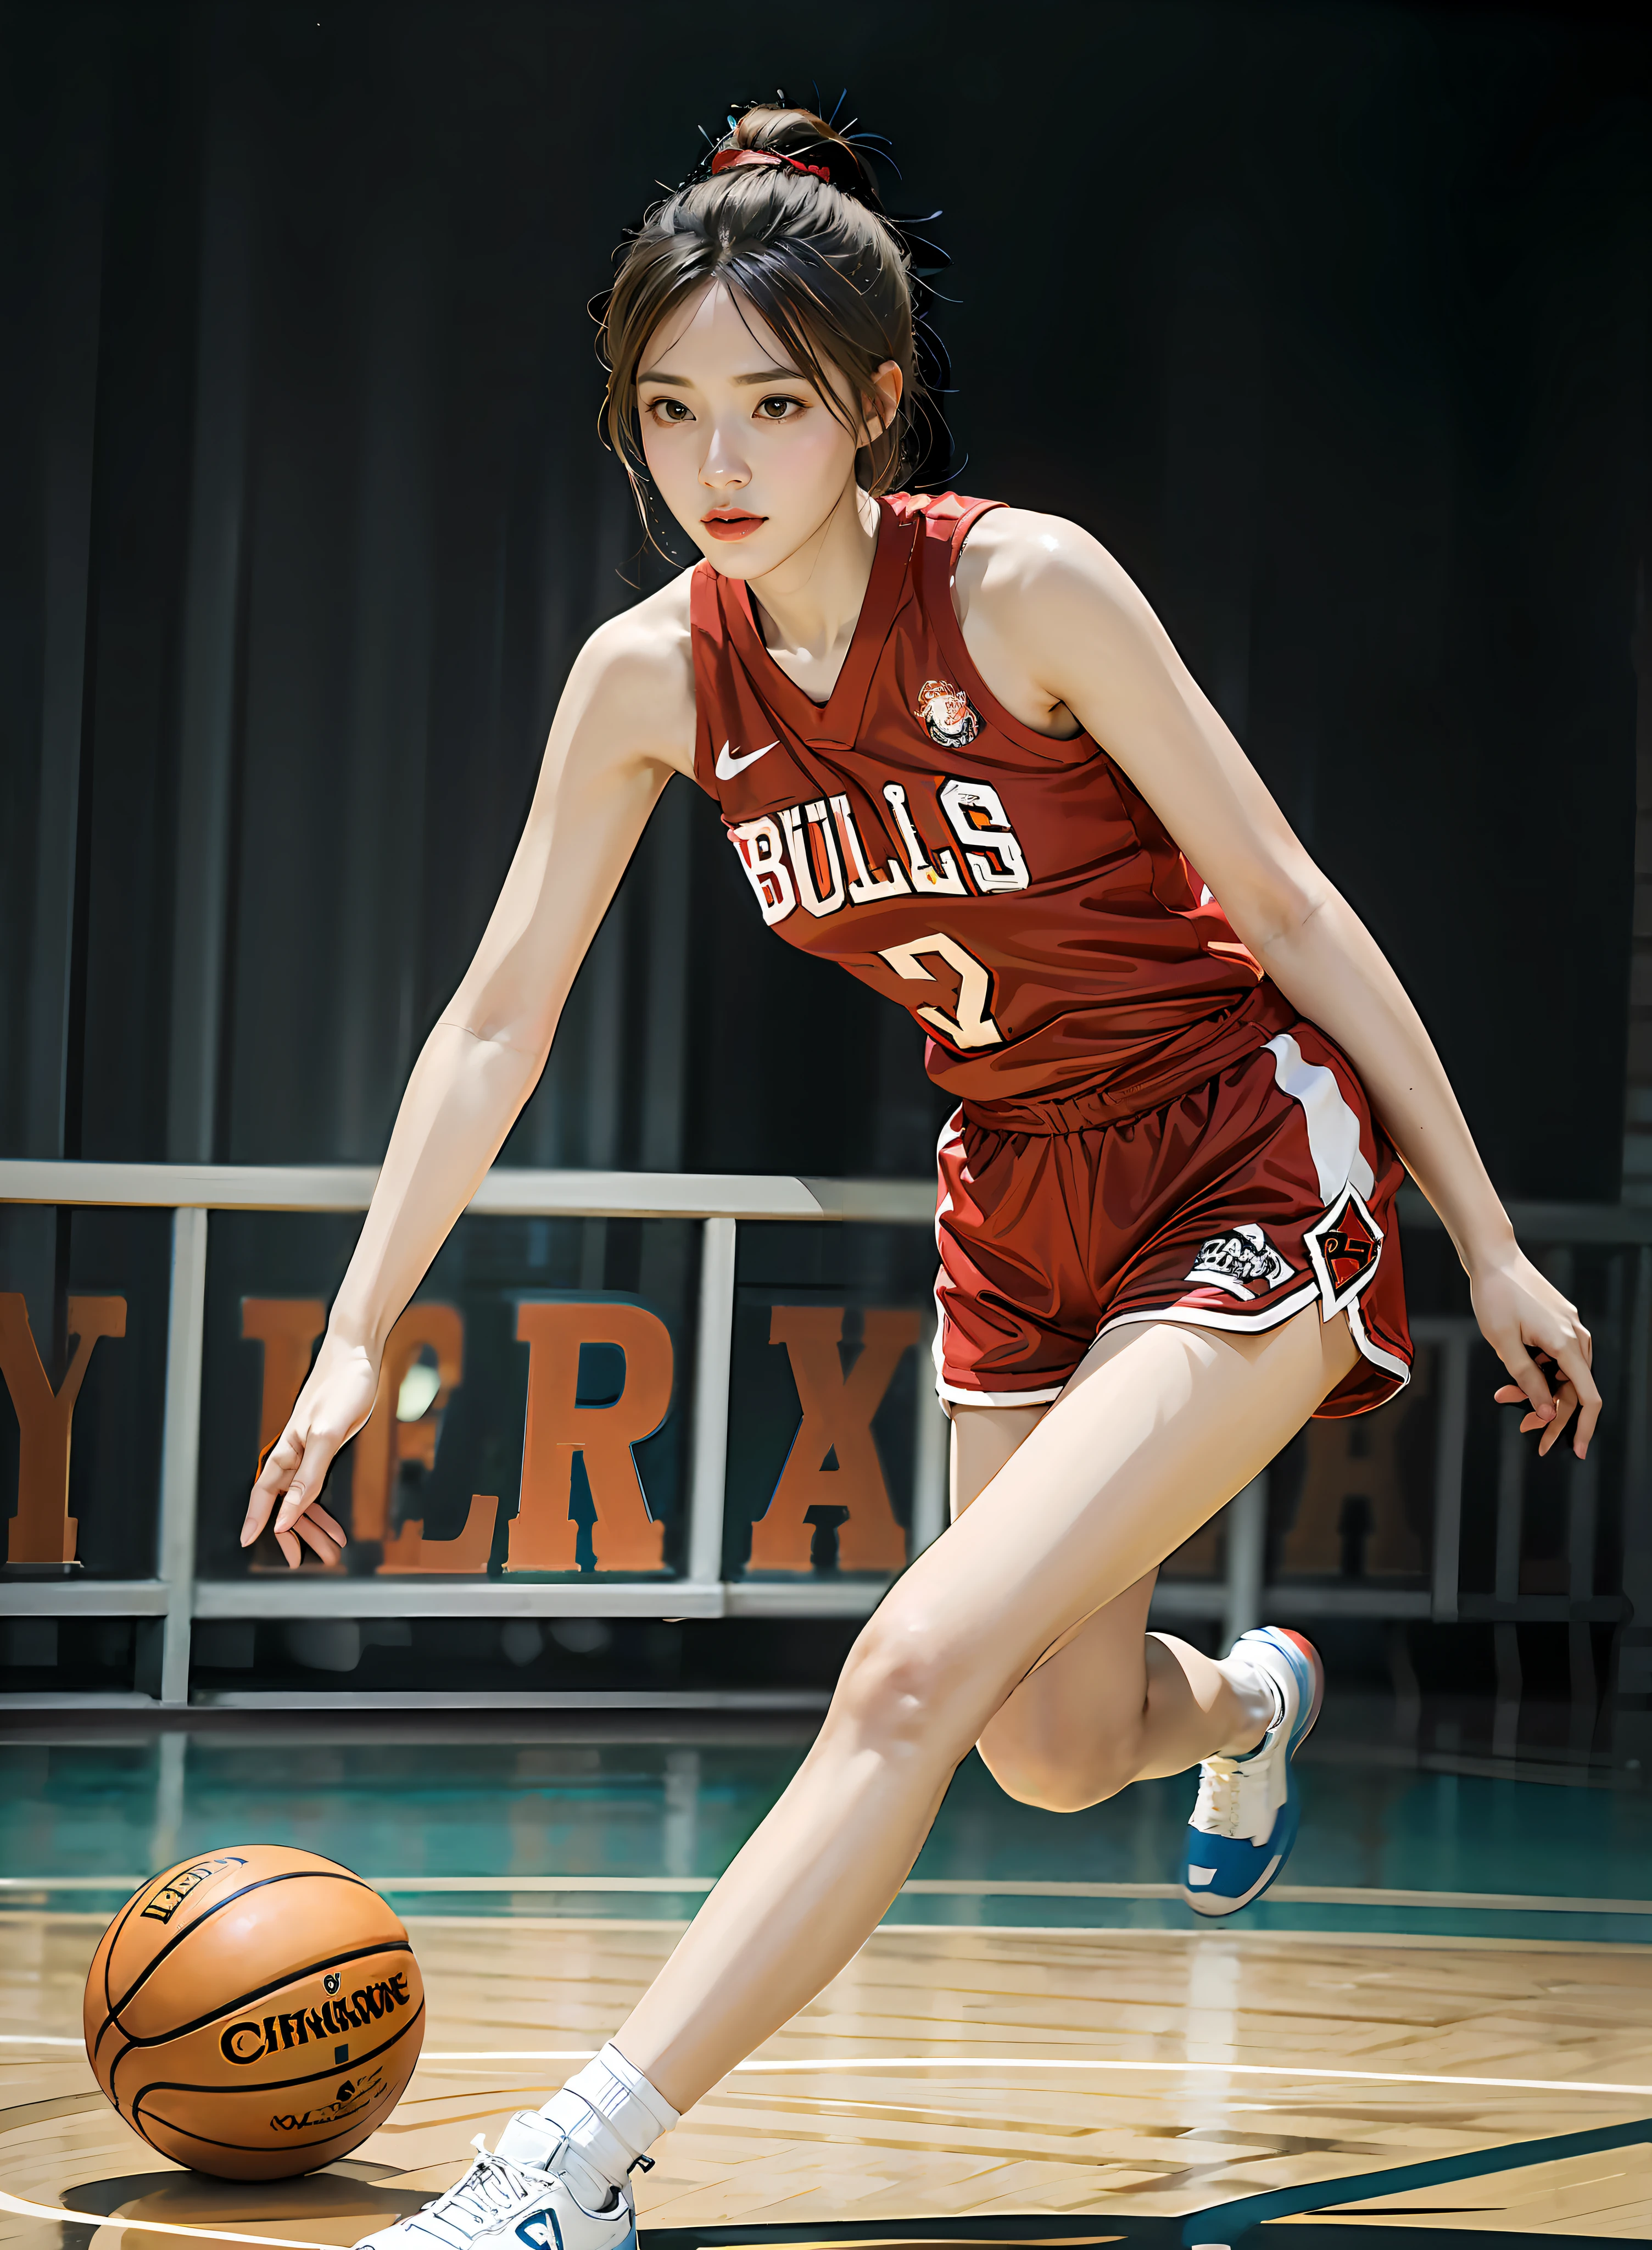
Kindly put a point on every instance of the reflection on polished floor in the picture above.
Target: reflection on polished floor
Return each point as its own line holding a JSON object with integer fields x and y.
{"x": 406, "y": 1807}
{"x": 1128, "y": 2073}
{"x": 1096, "y": 2056}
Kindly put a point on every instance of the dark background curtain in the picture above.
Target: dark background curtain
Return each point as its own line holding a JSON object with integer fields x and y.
{"x": 1331, "y": 321}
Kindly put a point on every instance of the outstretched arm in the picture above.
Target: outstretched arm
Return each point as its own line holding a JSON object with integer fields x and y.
{"x": 1050, "y": 605}
{"x": 625, "y": 721}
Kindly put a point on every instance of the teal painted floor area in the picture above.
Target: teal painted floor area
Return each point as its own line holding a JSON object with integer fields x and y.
{"x": 491, "y": 1809}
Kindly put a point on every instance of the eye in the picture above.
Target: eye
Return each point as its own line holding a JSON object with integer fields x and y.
{"x": 666, "y": 411}
{"x": 779, "y": 408}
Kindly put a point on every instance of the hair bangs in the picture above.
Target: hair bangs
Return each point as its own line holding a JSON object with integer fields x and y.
{"x": 816, "y": 261}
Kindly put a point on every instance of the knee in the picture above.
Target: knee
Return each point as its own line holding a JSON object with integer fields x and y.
{"x": 1064, "y": 1775}
{"x": 903, "y": 1680}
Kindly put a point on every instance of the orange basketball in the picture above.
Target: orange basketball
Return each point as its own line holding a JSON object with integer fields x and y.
{"x": 255, "y": 2012}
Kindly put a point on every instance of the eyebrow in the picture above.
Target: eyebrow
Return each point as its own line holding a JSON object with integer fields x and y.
{"x": 763, "y": 375}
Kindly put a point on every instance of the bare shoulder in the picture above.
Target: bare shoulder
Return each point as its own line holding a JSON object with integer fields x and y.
{"x": 1015, "y": 556}
{"x": 1029, "y": 589}
{"x": 634, "y": 680}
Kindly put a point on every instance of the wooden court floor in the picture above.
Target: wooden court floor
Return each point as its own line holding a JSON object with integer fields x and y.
{"x": 1110, "y": 2071}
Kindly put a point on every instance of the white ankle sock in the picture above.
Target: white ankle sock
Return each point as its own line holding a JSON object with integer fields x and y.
{"x": 1253, "y": 1672}
{"x": 609, "y": 2115}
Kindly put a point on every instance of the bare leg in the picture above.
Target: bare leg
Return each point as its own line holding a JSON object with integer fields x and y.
{"x": 1111, "y": 1703}
{"x": 1128, "y": 1706}
{"x": 1159, "y": 1429}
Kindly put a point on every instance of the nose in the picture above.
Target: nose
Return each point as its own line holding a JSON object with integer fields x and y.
{"x": 724, "y": 470}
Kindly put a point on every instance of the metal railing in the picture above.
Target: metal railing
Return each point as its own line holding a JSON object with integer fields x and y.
{"x": 175, "y": 1597}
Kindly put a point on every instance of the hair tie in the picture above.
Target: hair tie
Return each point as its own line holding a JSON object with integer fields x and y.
{"x": 726, "y": 160}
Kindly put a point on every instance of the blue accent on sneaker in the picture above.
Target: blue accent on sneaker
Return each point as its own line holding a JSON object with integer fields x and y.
{"x": 541, "y": 2231}
{"x": 1245, "y": 1821}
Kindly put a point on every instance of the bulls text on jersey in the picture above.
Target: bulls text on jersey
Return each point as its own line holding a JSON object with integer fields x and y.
{"x": 814, "y": 855}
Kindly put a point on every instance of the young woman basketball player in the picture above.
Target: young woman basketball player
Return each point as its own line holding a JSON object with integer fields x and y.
{"x": 952, "y": 745}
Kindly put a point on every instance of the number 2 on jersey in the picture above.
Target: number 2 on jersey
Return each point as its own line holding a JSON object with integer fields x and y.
{"x": 972, "y": 1026}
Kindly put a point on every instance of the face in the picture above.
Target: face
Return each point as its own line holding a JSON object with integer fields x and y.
{"x": 742, "y": 447}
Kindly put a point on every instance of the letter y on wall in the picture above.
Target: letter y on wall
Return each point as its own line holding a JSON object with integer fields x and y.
{"x": 43, "y": 1530}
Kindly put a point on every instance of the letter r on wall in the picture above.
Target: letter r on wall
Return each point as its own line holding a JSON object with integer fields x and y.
{"x": 543, "y": 1537}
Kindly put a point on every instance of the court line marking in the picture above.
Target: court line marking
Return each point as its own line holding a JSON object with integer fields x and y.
{"x": 1219, "y": 2069}
{"x": 950, "y": 1933}
{"x": 789, "y": 2065}
{"x": 928, "y": 1887}
{"x": 60, "y": 2212}
{"x": 1230, "y": 2220}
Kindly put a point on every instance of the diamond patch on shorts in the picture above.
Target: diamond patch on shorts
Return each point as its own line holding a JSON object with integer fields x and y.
{"x": 1238, "y": 1258}
{"x": 1343, "y": 1250}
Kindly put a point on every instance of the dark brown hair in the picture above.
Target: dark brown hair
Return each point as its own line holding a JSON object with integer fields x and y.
{"x": 817, "y": 260}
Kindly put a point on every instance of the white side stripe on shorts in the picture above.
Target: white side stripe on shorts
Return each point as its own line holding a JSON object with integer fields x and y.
{"x": 1333, "y": 1130}
{"x": 1368, "y": 1344}
{"x": 950, "y": 1131}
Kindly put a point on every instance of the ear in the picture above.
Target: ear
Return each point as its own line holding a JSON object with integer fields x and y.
{"x": 882, "y": 400}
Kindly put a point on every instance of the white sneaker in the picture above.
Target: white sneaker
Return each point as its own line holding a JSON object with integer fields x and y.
{"x": 1245, "y": 1821}
{"x": 512, "y": 2197}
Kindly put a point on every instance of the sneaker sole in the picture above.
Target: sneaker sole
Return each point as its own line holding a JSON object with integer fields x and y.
{"x": 1305, "y": 1647}
{"x": 1218, "y": 1909}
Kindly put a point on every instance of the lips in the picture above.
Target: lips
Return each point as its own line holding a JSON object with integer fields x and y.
{"x": 733, "y": 525}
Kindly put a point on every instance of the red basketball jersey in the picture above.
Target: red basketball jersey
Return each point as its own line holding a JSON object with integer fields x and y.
{"x": 1017, "y": 893}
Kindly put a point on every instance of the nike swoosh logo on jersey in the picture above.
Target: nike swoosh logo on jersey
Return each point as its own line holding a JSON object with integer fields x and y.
{"x": 728, "y": 767}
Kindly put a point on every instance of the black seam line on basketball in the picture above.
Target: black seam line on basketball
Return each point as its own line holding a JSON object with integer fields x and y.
{"x": 122, "y": 1920}
{"x": 262, "y": 1992}
{"x": 291, "y": 1875}
{"x": 268, "y": 2086}
{"x": 346, "y": 2126}
{"x": 357, "y": 2121}
{"x": 126, "y": 1914}
{"x": 308, "y": 2149}
{"x": 276, "y": 2084}
{"x": 165, "y": 2038}
{"x": 287, "y": 1875}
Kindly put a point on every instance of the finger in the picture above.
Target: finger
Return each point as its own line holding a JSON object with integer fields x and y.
{"x": 1531, "y": 1419}
{"x": 1565, "y": 1407}
{"x": 318, "y": 1520}
{"x": 1529, "y": 1377}
{"x": 330, "y": 1524}
{"x": 1509, "y": 1394}
{"x": 278, "y": 1464}
{"x": 1575, "y": 1365}
{"x": 307, "y": 1480}
{"x": 1588, "y": 1415}
{"x": 258, "y": 1515}
{"x": 316, "y": 1539}
{"x": 290, "y": 1548}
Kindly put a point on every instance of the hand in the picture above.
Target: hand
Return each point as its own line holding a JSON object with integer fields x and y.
{"x": 331, "y": 1408}
{"x": 1531, "y": 1326}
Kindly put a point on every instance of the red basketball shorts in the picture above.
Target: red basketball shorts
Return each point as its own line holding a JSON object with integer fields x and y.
{"x": 1267, "y": 1189}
